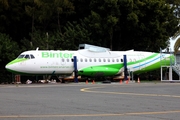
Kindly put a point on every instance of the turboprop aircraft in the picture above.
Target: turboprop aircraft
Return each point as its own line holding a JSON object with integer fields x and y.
{"x": 92, "y": 61}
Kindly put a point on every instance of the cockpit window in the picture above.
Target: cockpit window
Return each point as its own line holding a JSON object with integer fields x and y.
{"x": 27, "y": 56}
{"x": 32, "y": 56}
{"x": 21, "y": 56}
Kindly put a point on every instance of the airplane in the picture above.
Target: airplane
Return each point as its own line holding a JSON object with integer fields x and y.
{"x": 91, "y": 61}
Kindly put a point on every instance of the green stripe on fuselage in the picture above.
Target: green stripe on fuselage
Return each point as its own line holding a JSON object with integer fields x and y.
{"x": 141, "y": 60}
{"x": 110, "y": 69}
{"x": 16, "y": 72}
{"x": 157, "y": 65}
{"x": 113, "y": 69}
{"x": 17, "y": 60}
{"x": 101, "y": 70}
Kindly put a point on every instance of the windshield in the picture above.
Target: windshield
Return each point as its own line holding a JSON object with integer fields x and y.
{"x": 21, "y": 56}
{"x": 27, "y": 56}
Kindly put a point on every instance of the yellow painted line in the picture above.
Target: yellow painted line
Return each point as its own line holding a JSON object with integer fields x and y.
{"x": 121, "y": 93}
{"x": 89, "y": 115}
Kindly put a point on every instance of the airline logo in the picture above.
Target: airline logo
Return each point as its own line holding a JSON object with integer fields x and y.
{"x": 57, "y": 55}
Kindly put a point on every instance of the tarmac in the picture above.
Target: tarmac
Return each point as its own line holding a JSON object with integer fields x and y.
{"x": 90, "y": 101}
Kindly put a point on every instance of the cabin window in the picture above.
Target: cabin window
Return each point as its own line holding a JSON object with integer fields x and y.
{"x": 72, "y": 60}
{"x": 104, "y": 60}
{"x": 90, "y": 60}
{"x": 63, "y": 60}
{"x": 27, "y": 56}
{"x": 94, "y": 59}
{"x": 108, "y": 60}
{"x": 117, "y": 60}
{"x": 32, "y": 56}
{"x": 121, "y": 60}
{"x": 99, "y": 60}
{"x": 112, "y": 60}
{"x": 85, "y": 60}
{"x": 67, "y": 60}
{"x": 81, "y": 60}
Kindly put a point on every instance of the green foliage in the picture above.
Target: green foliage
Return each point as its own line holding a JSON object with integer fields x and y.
{"x": 73, "y": 35}
{"x": 153, "y": 24}
{"x": 13, "y": 20}
{"x": 45, "y": 12}
{"x": 123, "y": 25}
{"x": 109, "y": 23}
{"x": 9, "y": 50}
{"x": 43, "y": 40}
{"x": 102, "y": 21}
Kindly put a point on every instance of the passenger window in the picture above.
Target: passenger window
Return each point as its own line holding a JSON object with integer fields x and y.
{"x": 117, "y": 60}
{"x": 63, "y": 60}
{"x": 67, "y": 60}
{"x": 112, "y": 60}
{"x": 90, "y": 60}
{"x": 81, "y": 60}
{"x": 27, "y": 56}
{"x": 108, "y": 60}
{"x": 94, "y": 59}
{"x": 104, "y": 60}
{"x": 99, "y": 60}
{"x": 85, "y": 60}
{"x": 121, "y": 60}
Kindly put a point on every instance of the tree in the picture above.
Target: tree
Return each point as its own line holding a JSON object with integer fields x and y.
{"x": 102, "y": 20}
{"x": 146, "y": 25}
{"x": 13, "y": 20}
{"x": 81, "y": 8}
{"x": 9, "y": 50}
{"x": 49, "y": 13}
{"x": 176, "y": 5}
{"x": 73, "y": 34}
{"x": 132, "y": 24}
{"x": 40, "y": 39}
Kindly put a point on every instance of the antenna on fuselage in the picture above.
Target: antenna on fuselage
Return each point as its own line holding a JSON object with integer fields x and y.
{"x": 37, "y": 48}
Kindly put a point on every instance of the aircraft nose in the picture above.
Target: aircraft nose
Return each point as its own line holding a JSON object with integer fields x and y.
{"x": 6, "y": 66}
{"x": 10, "y": 67}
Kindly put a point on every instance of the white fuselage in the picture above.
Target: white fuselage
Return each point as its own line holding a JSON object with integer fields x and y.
{"x": 61, "y": 62}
